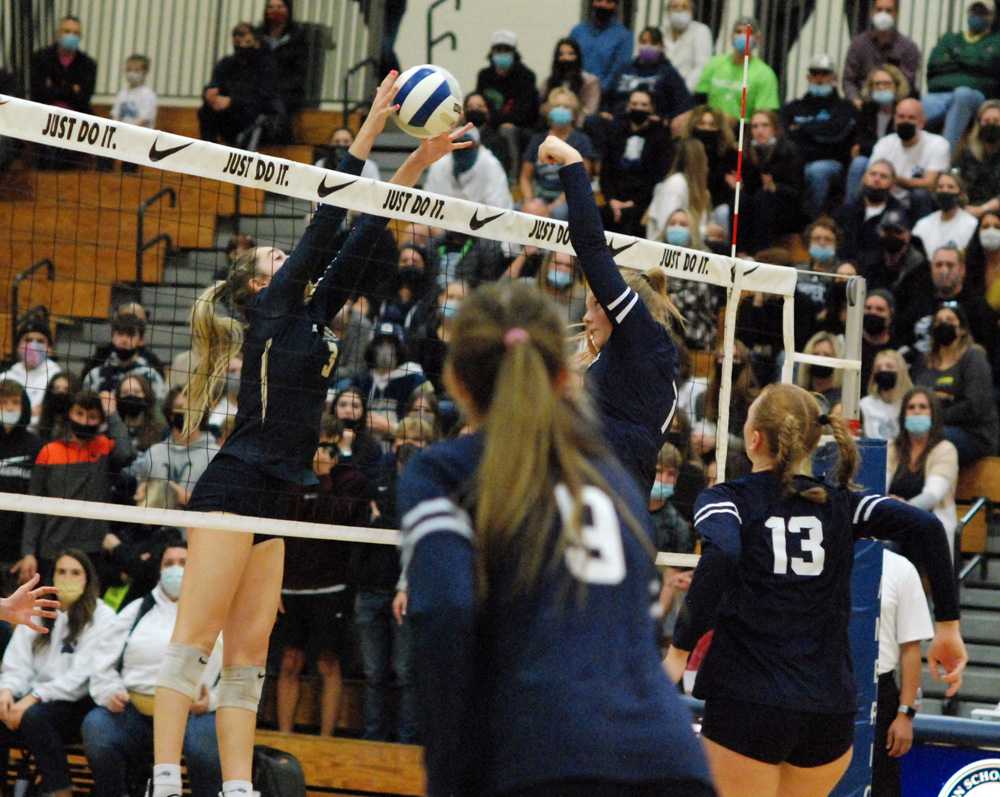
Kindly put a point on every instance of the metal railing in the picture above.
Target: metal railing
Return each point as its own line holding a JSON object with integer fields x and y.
{"x": 142, "y": 245}
{"x": 15, "y": 289}
{"x": 449, "y": 36}
{"x": 979, "y": 560}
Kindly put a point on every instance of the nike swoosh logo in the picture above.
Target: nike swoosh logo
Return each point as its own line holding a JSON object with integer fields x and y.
{"x": 159, "y": 154}
{"x": 477, "y": 223}
{"x": 325, "y": 190}
{"x": 262, "y": 675}
{"x": 202, "y": 660}
{"x": 617, "y": 250}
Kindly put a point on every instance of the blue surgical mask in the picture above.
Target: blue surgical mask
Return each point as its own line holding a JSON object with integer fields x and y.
{"x": 449, "y": 311}
{"x": 821, "y": 89}
{"x": 10, "y": 417}
{"x": 917, "y": 424}
{"x": 559, "y": 279}
{"x": 171, "y": 579}
{"x": 884, "y": 96}
{"x": 69, "y": 41}
{"x": 678, "y": 236}
{"x": 977, "y": 23}
{"x": 464, "y": 159}
{"x": 502, "y": 60}
{"x": 661, "y": 491}
{"x": 740, "y": 42}
{"x": 822, "y": 254}
{"x": 560, "y": 116}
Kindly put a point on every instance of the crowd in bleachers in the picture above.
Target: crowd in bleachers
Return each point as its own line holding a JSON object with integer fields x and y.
{"x": 849, "y": 179}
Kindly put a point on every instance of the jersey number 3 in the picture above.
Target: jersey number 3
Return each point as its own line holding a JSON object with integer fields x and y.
{"x": 811, "y": 540}
{"x": 601, "y": 557}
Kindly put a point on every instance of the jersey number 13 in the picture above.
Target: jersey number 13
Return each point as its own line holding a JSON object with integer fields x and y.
{"x": 810, "y": 532}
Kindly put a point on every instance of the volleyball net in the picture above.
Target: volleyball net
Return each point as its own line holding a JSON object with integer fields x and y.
{"x": 78, "y": 241}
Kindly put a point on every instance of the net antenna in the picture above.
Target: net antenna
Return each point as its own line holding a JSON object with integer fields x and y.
{"x": 106, "y": 138}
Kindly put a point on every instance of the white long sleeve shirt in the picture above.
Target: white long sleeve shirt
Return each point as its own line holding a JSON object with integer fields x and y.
{"x": 144, "y": 652}
{"x": 58, "y": 671}
{"x": 485, "y": 182}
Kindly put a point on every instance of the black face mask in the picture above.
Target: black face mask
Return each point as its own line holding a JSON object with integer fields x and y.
{"x": 877, "y": 196}
{"x": 245, "y": 52}
{"x": 709, "y": 138}
{"x": 477, "y": 118}
{"x": 177, "y": 421}
{"x": 84, "y": 431}
{"x": 946, "y": 200}
{"x": 350, "y": 423}
{"x": 874, "y": 324}
{"x": 637, "y": 117}
{"x": 892, "y": 244}
{"x": 131, "y": 406}
{"x": 906, "y": 130}
{"x": 676, "y": 439}
{"x": 943, "y": 334}
{"x": 822, "y": 371}
{"x": 412, "y": 278}
{"x": 565, "y": 67}
{"x": 885, "y": 380}
{"x": 124, "y": 354}
{"x": 603, "y": 15}
{"x": 990, "y": 134}
{"x": 60, "y": 403}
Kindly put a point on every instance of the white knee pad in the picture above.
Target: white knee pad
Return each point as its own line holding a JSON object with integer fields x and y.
{"x": 182, "y": 668}
{"x": 240, "y": 687}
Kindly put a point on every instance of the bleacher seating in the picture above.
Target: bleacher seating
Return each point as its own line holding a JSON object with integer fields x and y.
{"x": 980, "y": 480}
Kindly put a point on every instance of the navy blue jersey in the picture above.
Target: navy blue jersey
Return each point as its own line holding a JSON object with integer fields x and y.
{"x": 557, "y": 682}
{"x": 289, "y": 352}
{"x": 775, "y": 582}
{"x": 633, "y": 379}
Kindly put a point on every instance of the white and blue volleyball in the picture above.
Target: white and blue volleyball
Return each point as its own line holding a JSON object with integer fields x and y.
{"x": 429, "y": 100}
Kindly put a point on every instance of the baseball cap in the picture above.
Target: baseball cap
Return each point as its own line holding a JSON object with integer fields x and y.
{"x": 821, "y": 62}
{"x": 894, "y": 220}
{"x": 503, "y": 38}
{"x": 989, "y": 5}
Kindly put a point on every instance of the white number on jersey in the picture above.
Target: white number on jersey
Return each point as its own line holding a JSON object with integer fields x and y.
{"x": 811, "y": 543}
{"x": 601, "y": 558}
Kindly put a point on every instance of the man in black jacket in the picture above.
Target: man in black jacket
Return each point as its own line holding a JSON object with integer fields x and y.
{"x": 859, "y": 220}
{"x": 823, "y": 125}
{"x": 243, "y": 87}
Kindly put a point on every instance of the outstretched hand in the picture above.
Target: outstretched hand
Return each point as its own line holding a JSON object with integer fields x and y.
{"x": 383, "y": 106}
{"x": 554, "y": 150}
{"x": 433, "y": 149}
{"x": 28, "y": 603}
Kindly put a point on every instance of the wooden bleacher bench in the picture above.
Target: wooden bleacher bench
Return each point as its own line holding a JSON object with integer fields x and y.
{"x": 981, "y": 479}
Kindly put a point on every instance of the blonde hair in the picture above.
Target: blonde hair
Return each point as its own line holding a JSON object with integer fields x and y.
{"x": 669, "y": 457}
{"x": 561, "y": 95}
{"x": 724, "y": 124}
{"x": 691, "y": 160}
{"x": 413, "y": 429}
{"x": 160, "y": 495}
{"x": 804, "y": 376}
{"x": 900, "y": 81}
{"x": 903, "y": 382}
{"x": 972, "y": 142}
{"x": 694, "y": 227}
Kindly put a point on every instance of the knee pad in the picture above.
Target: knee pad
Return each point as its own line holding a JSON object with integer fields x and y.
{"x": 240, "y": 687}
{"x": 182, "y": 668}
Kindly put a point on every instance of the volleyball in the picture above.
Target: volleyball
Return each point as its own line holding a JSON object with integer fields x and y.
{"x": 429, "y": 100}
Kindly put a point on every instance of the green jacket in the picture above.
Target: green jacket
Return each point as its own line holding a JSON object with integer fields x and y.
{"x": 955, "y": 61}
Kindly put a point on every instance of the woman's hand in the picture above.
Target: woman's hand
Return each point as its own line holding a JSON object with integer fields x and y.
{"x": 16, "y": 713}
{"x": 6, "y": 703}
{"x": 29, "y": 602}
{"x": 117, "y": 702}
{"x": 26, "y": 568}
{"x": 947, "y": 657}
{"x": 399, "y": 604}
{"x": 675, "y": 663}
{"x": 431, "y": 150}
{"x": 383, "y": 106}
{"x": 555, "y": 150}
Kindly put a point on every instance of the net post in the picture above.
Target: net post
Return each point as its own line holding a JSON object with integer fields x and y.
{"x": 851, "y": 393}
{"x": 726, "y": 388}
{"x": 788, "y": 334}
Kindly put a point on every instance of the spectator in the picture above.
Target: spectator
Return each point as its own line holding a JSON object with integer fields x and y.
{"x": 473, "y": 174}
{"x": 652, "y": 71}
{"x": 917, "y": 156}
{"x": 922, "y": 464}
{"x": 900, "y": 267}
{"x": 882, "y": 45}
{"x": 19, "y": 448}
{"x": 812, "y": 291}
{"x": 529, "y": 260}
{"x": 79, "y": 466}
{"x": 688, "y": 42}
{"x": 137, "y": 407}
{"x": 671, "y": 532}
{"x": 962, "y": 71}
{"x": 606, "y": 43}
{"x": 426, "y": 407}
{"x": 136, "y": 104}
{"x": 957, "y": 370}
{"x": 636, "y": 159}
{"x": 822, "y": 379}
{"x": 859, "y": 220}
{"x": 128, "y": 336}
{"x": 354, "y": 329}
{"x": 118, "y": 732}
{"x": 505, "y": 150}
{"x": 243, "y": 88}
{"x": 34, "y": 367}
{"x": 315, "y": 594}
{"x": 984, "y": 259}
{"x": 744, "y": 391}
{"x": 824, "y": 128}
{"x": 880, "y": 408}
{"x": 686, "y": 188}
{"x": 104, "y": 351}
{"x": 43, "y": 684}
{"x": 978, "y": 160}
{"x": 697, "y": 302}
{"x": 393, "y": 378}
{"x": 562, "y": 281}
{"x": 568, "y": 73}
{"x": 357, "y": 446}
{"x": 691, "y": 475}
{"x": 952, "y": 224}
{"x": 286, "y": 39}
{"x": 876, "y": 329}
{"x": 722, "y": 80}
{"x": 884, "y": 87}
{"x": 511, "y": 90}
{"x": 469, "y": 258}
{"x": 773, "y": 185}
{"x": 340, "y": 142}
{"x": 410, "y": 291}
{"x": 562, "y": 108}
{"x": 715, "y": 131}
{"x": 52, "y": 422}
{"x": 432, "y": 349}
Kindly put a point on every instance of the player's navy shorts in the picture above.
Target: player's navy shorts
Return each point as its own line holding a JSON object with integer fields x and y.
{"x": 778, "y": 735}
{"x": 231, "y": 485}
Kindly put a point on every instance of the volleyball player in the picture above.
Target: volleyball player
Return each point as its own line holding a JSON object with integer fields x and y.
{"x": 628, "y": 322}
{"x": 530, "y": 598}
{"x": 774, "y": 581}
{"x": 233, "y": 581}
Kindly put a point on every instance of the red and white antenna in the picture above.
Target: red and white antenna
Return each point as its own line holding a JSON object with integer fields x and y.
{"x": 748, "y": 34}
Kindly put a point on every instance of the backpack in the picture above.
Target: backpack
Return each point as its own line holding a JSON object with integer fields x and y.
{"x": 277, "y": 773}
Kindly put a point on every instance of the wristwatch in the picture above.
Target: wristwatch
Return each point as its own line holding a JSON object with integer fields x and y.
{"x": 909, "y": 711}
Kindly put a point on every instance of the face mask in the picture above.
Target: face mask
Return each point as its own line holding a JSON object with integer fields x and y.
{"x": 874, "y": 324}
{"x": 661, "y": 491}
{"x": 637, "y": 117}
{"x": 943, "y": 334}
{"x": 822, "y": 371}
{"x": 411, "y": 277}
{"x": 603, "y": 15}
{"x": 946, "y": 200}
{"x": 990, "y": 134}
{"x": 560, "y": 116}
{"x": 885, "y": 380}
{"x": 566, "y": 66}
{"x": 123, "y": 353}
{"x": 906, "y": 130}
{"x": 33, "y": 353}
{"x": 559, "y": 279}
{"x": 883, "y": 21}
{"x": 884, "y": 96}
{"x": 708, "y": 138}
{"x": 678, "y": 236}
{"x": 10, "y": 417}
{"x": 135, "y": 78}
{"x": 740, "y": 43}
{"x": 69, "y": 590}
{"x": 977, "y": 23}
{"x": 990, "y": 238}
{"x": 762, "y": 145}
{"x": 232, "y": 383}
{"x": 676, "y": 440}
{"x": 245, "y": 52}
{"x": 822, "y": 254}
{"x": 449, "y": 310}
{"x": 821, "y": 89}
{"x": 350, "y": 423}
{"x": 60, "y": 403}
{"x": 876, "y": 196}
{"x": 892, "y": 244}
{"x": 69, "y": 41}
{"x": 171, "y": 579}
{"x": 917, "y": 424}
{"x": 679, "y": 20}
{"x": 502, "y": 61}
{"x": 385, "y": 356}
{"x": 84, "y": 431}
{"x": 177, "y": 421}
{"x": 478, "y": 118}
{"x": 463, "y": 159}
{"x": 649, "y": 53}
{"x": 131, "y": 406}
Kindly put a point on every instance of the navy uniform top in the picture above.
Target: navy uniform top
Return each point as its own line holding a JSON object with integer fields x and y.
{"x": 289, "y": 352}
{"x": 555, "y": 683}
{"x": 633, "y": 378}
{"x": 774, "y": 580}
